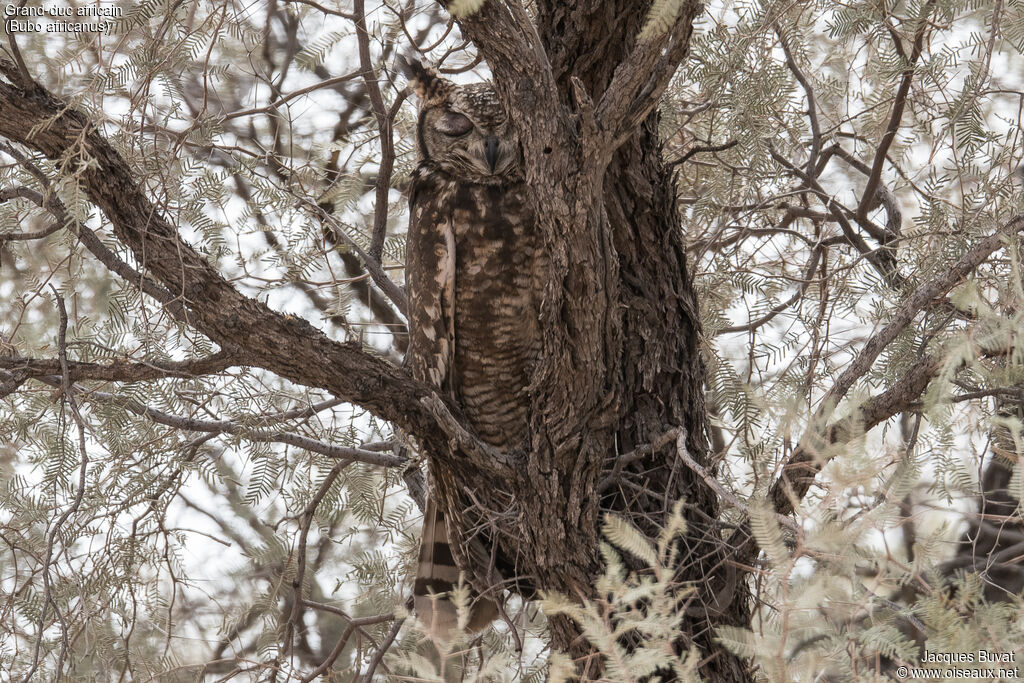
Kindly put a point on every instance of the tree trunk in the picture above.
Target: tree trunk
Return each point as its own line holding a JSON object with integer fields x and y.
{"x": 622, "y": 360}
{"x": 621, "y": 364}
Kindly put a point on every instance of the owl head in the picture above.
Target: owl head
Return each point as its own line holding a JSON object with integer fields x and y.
{"x": 463, "y": 128}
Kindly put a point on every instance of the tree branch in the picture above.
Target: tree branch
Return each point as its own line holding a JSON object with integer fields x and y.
{"x": 379, "y": 654}
{"x": 23, "y": 192}
{"x": 728, "y": 496}
{"x": 259, "y": 435}
{"x": 805, "y": 282}
{"x": 387, "y": 144}
{"x": 51, "y": 203}
{"x": 881, "y": 259}
{"x": 914, "y": 304}
{"x": 812, "y": 106}
{"x": 808, "y": 457}
{"x": 287, "y": 346}
{"x": 508, "y": 40}
{"x": 372, "y": 265}
{"x": 119, "y": 371}
{"x": 641, "y": 78}
{"x": 798, "y": 473}
{"x": 896, "y": 116}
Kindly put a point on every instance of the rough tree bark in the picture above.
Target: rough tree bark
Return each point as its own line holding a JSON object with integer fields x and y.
{"x": 621, "y": 365}
{"x": 621, "y": 376}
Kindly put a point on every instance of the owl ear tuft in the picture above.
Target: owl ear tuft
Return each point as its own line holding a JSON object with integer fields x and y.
{"x": 423, "y": 79}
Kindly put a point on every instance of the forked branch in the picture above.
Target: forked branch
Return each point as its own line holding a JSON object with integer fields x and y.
{"x": 287, "y": 346}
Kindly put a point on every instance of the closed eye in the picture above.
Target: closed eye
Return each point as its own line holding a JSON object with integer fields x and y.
{"x": 453, "y": 124}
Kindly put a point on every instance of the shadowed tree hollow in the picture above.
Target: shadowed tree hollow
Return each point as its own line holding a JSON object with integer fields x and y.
{"x": 780, "y": 321}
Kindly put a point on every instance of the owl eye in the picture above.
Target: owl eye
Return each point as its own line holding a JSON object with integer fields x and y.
{"x": 454, "y": 125}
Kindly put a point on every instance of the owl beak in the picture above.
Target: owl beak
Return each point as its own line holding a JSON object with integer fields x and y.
{"x": 491, "y": 152}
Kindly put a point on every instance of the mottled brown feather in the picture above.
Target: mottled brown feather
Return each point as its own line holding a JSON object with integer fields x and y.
{"x": 472, "y": 272}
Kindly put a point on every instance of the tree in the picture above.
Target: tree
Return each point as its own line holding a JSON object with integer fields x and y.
{"x": 205, "y": 331}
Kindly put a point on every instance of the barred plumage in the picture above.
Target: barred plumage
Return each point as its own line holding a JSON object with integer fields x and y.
{"x": 472, "y": 272}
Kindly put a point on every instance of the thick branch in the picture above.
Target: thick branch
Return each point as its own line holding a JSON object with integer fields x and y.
{"x": 52, "y": 203}
{"x": 287, "y": 346}
{"x": 798, "y": 473}
{"x": 913, "y": 305}
{"x": 809, "y": 456}
{"x": 642, "y": 77}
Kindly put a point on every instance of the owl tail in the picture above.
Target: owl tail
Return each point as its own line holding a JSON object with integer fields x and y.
{"x": 436, "y": 576}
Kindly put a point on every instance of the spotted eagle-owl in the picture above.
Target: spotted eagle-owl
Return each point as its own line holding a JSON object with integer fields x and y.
{"x": 472, "y": 270}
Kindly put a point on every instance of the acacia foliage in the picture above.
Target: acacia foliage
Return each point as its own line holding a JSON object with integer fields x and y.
{"x": 169, "y": 512}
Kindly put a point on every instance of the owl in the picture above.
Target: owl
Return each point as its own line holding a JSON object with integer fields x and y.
{"x": 473, "y": 270}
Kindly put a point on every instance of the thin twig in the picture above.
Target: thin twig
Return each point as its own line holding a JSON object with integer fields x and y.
{"x": 327, "y": 83}
{"x": 716, "y": 486}
{"x": 379, "y": 654}
{"x": 805, "y": 282}
{"x": 387, "y": 144}
{"x": 22, "y": 76}
{"x": 637, "y": 453}
{"x": 300, "y": 551}
{"x": 812, "y": 106}
{"x": 353, "y": 625}
{"x": 699, "y": 149}
{"x": 899, "y": 102}
{"x": 48, "y": 599}
{"x": 372, "y": 265}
